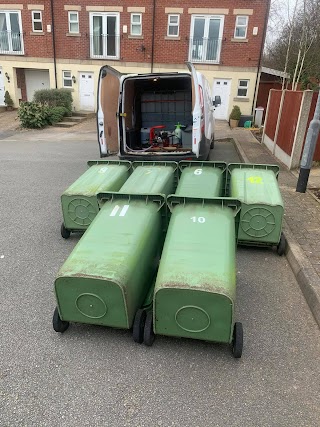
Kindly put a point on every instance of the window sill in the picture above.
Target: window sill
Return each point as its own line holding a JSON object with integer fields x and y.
{"x": 73, "y": 34}
{"x": 70, "y": 89}
{"x": 172, "y": 38}
{"x": 240, "y": 99}
{"x": 36, "y": 33}
{"x": 239, "y": 40}
{"x": 136, "y": 37}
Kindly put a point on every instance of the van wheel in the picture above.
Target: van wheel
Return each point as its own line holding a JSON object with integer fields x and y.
{"x": 148, "y": 334}
{"x": 237, "y": 341}
{"x": 64, "y": 232}
{"x": 282, "y": 245}
{"x": 58, "y": 324}
{"x": 212, "y": 145}
{"x": 138, "y": 326}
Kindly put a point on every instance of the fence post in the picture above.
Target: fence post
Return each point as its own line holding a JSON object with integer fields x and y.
{"x": 279, "y": 120}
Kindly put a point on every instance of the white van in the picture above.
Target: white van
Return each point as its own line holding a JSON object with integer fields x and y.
{"x": 164, "y": 116}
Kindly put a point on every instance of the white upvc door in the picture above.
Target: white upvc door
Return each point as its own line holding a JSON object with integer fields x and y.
{"x": 105, "y": 35}
{"x": 86, "y": 89}
{"x": 222, "y": 88}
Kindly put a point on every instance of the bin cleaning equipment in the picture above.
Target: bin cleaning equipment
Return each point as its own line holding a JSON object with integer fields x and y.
{"x": 195, "y": 288}
{"x": 79, "y": 202}
{"x": 109, "y": 273}
{"x": 262, "y": 209}
{"x": 202, "y": 179}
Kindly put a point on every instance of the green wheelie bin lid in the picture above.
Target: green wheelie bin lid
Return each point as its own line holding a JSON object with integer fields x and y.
{"x": 152, "y": 178}
{"x": 195, "y": 287}
{"x": 79, "y": 202}
{"x": 201, "y": 179}
{"x": 262, "y": 208}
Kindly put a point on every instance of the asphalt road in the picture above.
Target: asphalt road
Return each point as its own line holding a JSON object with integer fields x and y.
{"x": 94, "y": 376}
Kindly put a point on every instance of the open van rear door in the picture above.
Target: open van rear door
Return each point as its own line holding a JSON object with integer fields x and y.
{"x": 108, "y": 106}
{"x": 197, "y": 112}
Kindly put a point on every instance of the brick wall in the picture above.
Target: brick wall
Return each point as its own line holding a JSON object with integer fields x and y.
{"x": 21, "y": 83}
{"x": 139, "y": 50}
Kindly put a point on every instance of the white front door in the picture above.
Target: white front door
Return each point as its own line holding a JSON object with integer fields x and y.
{"x": 222, "y": 88}
{"x": 1, "y": 87}
{"x": 36, "y": 80}
{"x": 86, "y": 89}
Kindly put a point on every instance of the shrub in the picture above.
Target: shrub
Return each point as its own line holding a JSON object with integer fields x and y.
{"x": 56, "y": 114}
{"x": 34, "y": 115}
{"x": 7, "y": 99}
{"x": 54, "y": 98}
{"x": 235, "y": 113}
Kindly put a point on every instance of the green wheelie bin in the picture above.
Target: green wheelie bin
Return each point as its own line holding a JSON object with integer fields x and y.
{"x": 262, "y": 209}
{"x": 195, "y": 287}
{"x": 109, "y": 273}
{"x": 79, "y": 202}
{"x": 202, "y": 179}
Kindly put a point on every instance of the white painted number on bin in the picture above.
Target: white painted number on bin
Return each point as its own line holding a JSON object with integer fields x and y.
{"x": 199, "y": 219}
{"x": 198, "y": 172}
{"x": 103, "y": 170}
{"x": 123, "y": 211}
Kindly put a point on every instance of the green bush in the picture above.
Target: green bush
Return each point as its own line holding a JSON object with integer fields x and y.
{"x": 54, "y": 98}
{"x": 34, "y": 115}
{"x": 235, "y": 113}
{"x": 56, "y": 114}
{"x": 7, "y": 99}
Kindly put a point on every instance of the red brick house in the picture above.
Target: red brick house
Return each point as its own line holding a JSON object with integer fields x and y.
{"x": 63, "y": 43}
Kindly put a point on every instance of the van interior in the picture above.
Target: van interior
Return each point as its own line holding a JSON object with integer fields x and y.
{"x": 157, "y": 114}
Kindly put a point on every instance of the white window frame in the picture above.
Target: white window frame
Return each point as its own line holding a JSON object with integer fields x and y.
{"x": 207, "y": 18}
{"x": 36, "y": 21}
{"x": 73, "y": 12}
{"x": 170, "y": 24}
{"x": 66, "y": 78}
{"x": 10, "y": 51}
{"x": 135, "y": 23}
{"x": 243, "y": 87}
{"x": 241, "y": 26}
{"x": 117, "y": 36}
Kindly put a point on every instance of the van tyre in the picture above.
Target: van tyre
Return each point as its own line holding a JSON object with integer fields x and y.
{"x": 212, "y": 145}
{"x": 58, "y": 324}
{"x": 282, "y": 245}
{"x": 237, "y": 341}
{"x": 138, "y": 326}
{"x": 148, "y": 334}
{"x": 64, "y": 232}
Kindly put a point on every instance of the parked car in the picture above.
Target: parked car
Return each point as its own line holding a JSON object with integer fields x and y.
{"x": 163, "y": 116}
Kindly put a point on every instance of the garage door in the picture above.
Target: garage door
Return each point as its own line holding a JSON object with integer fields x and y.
{"x": 36, "y": 80}
{"x": 1, "y": 87}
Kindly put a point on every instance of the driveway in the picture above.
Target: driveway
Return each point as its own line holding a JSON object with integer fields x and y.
{"x": 94, "y": 376}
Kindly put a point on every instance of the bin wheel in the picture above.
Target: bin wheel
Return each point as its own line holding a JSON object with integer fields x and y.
{"x": 64, "y": 232}
{"x": 58, "y": 324}
{"x": 148, "y": 334}
{"x": 138, "y": 326}
{"x": 282, "y": 245}
{"x": 237, "y": 341}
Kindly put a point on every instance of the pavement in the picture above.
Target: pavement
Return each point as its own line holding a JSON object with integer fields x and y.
{"x": 93, "y": 376}
{"x": 302, "y": 214}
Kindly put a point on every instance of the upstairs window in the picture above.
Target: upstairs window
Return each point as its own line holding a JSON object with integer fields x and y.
{"x": 37, "y": 21}
{"x": 11, "y": 40}
{"x": 136, "y": 24}
{"x": 73, "y": 22}
{"x": 243, "y": 86}
{"x": 240, "y": 31}
{"x": 173, "y": 25}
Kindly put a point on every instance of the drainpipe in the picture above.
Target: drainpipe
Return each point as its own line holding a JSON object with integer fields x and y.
{"x": 153, "y": 31}
{"x": 53, "y": 44}
{"x": 260, "y": 57}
